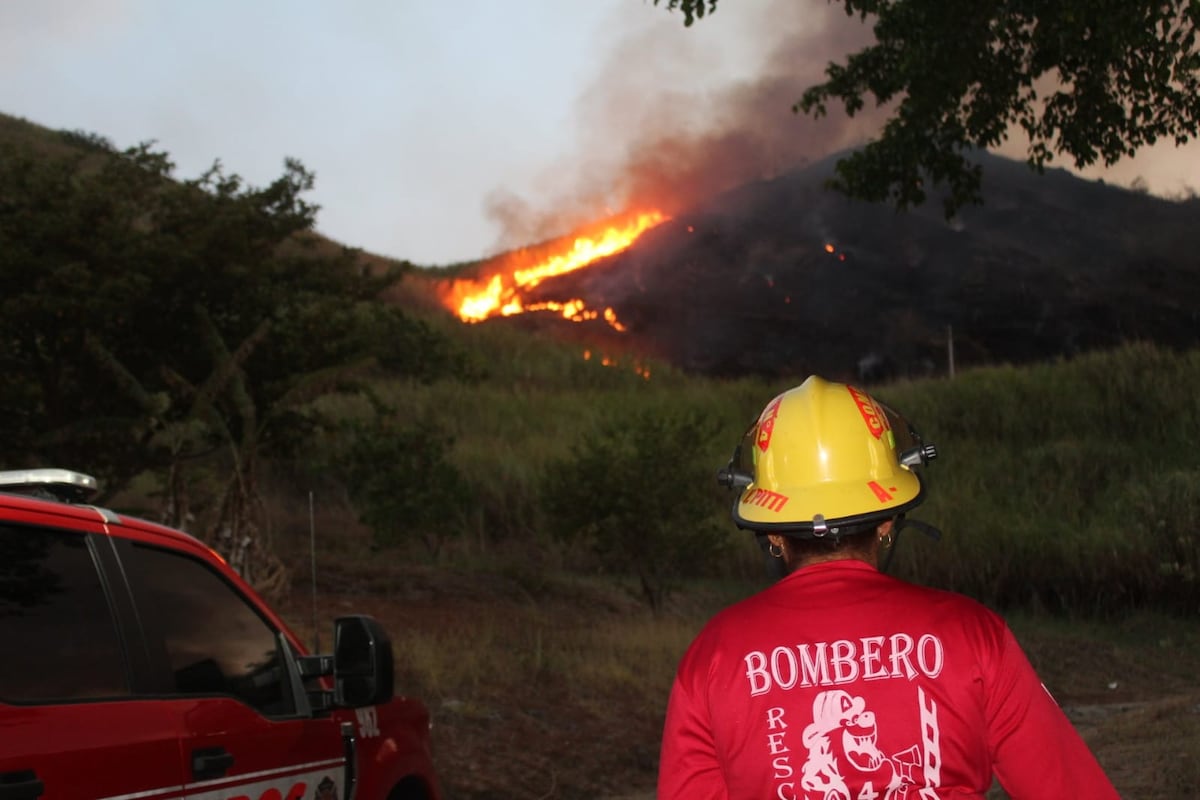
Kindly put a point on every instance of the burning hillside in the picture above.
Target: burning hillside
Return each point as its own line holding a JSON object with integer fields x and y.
{"x": 502, "y": 288}
{"x": 783, "y": 277}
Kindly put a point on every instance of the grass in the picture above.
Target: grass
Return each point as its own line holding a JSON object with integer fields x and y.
{"x": 547, "y": 683}
{"x": 1067, "y": 486}
{"x": 1067, "y": 493}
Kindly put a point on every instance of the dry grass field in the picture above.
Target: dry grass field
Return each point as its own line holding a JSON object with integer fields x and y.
{"x": 547, "y": 688}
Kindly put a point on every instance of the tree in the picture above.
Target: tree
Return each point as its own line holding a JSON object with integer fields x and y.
{"x": 638, "y": 491}
{"x": 1095, "y": 80}
{"x": 153, "y": 325}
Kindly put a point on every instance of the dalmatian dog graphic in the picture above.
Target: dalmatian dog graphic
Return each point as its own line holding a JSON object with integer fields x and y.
{"x": 842, "y": 750}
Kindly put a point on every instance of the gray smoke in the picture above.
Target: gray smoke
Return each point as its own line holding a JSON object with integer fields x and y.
{"x": 668, "y": 148}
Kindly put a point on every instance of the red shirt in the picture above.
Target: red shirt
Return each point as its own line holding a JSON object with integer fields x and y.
{"x": 842, "y": 683}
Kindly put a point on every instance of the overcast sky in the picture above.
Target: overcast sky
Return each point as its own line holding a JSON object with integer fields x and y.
{"x": 446, "y": 131}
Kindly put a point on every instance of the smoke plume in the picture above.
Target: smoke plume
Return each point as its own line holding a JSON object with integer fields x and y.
{"x": 655, "y": 133}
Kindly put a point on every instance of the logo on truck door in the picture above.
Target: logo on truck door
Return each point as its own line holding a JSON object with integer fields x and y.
{"x": 326, "y": 790}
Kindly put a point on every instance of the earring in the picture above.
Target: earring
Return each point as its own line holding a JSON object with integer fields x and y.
{"x": 886, "y": 539}
{"x": 775, "y": 550}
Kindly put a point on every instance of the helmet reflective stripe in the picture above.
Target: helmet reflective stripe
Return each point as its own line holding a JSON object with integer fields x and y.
{"x": 824, "y": 455}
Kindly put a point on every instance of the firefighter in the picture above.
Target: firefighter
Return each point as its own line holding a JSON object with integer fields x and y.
{"x": 838, "y": 681}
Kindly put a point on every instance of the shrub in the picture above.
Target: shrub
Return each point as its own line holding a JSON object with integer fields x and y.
{"x": 401, "y": 483}
{"x": 638, "y": 491}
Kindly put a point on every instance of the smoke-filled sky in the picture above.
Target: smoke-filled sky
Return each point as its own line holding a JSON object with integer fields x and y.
{"x": 447, "y": 131}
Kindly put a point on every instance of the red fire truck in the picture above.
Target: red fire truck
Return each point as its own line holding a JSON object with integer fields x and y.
{"x": 135, "y": 664}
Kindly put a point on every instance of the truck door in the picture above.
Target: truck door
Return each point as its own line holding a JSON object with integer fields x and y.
{"x": 247, "y": 732}
{"x": 71, "y": 725}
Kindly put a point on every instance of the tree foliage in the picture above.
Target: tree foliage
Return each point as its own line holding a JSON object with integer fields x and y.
{"x": 148, "y": 323}
{"x": 1095, "y": 80}
{"x": 402, "y": 483}
{"x": 639, "y": 492}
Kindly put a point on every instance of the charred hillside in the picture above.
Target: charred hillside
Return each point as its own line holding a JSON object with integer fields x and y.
{"x": 785, "y": 277}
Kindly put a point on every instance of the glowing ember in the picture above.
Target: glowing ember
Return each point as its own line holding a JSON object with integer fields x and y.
{"x": 638, "y": 368}
{"x": 501, "y": 293}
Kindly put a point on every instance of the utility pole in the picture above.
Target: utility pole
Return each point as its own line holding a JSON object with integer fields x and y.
{"x": 950, "y": 349}
{"x": 312, "y": 545}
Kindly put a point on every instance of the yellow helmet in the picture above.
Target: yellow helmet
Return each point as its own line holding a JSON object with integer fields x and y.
{"x": 825, "y": 455}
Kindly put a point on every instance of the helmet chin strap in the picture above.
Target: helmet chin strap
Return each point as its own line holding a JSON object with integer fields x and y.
{"x": 775, "y": 567}
{"x": 903, "y": 522}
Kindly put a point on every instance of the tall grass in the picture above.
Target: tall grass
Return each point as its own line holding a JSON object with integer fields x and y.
{"x": 1071, "y": 486}
{"x": 511, "y": 425}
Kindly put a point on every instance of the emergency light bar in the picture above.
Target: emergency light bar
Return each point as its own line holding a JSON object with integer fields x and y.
{"x": 57, "y": 484}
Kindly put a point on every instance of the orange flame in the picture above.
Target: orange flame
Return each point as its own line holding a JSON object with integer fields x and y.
{"x": 500, "y": 294}
{"x": 638, "y": 368}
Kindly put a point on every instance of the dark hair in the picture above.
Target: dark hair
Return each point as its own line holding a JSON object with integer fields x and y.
{"x": 847, "y": 538}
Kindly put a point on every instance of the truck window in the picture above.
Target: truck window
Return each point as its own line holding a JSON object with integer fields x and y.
{"x": 60, "y": 641}
{"x": 216, "y": 642}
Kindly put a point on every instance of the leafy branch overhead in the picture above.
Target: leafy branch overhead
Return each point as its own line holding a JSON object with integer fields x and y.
{"x": 1093, "y": 80}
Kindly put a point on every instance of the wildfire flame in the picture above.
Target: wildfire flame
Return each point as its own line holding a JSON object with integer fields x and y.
{"x": 640, "y": 369}
{"x": 501, "y": 293}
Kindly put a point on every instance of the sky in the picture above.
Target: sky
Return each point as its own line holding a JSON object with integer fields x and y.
{"x": 442, "y": 131}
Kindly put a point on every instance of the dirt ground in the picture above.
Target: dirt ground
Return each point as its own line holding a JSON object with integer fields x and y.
{"x": 1132, "y": 694}
{"x": 544, "y": 746}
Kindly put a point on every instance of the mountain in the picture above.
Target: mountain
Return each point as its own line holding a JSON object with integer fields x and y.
{"x": 783, "y": 276}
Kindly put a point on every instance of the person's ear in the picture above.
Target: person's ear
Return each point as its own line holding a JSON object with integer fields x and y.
{"x": 884, "y": 533}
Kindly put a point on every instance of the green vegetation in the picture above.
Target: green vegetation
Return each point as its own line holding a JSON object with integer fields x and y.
{"x": 637, "y": 491}
{"x": 189, "y": 341}
{"x": 381, "y": 457}
{"x": 180, "y": 329}
{"x": 1068, "y": 486}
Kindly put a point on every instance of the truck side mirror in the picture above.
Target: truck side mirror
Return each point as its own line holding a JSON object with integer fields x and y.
{"x": 363, "y": 666}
